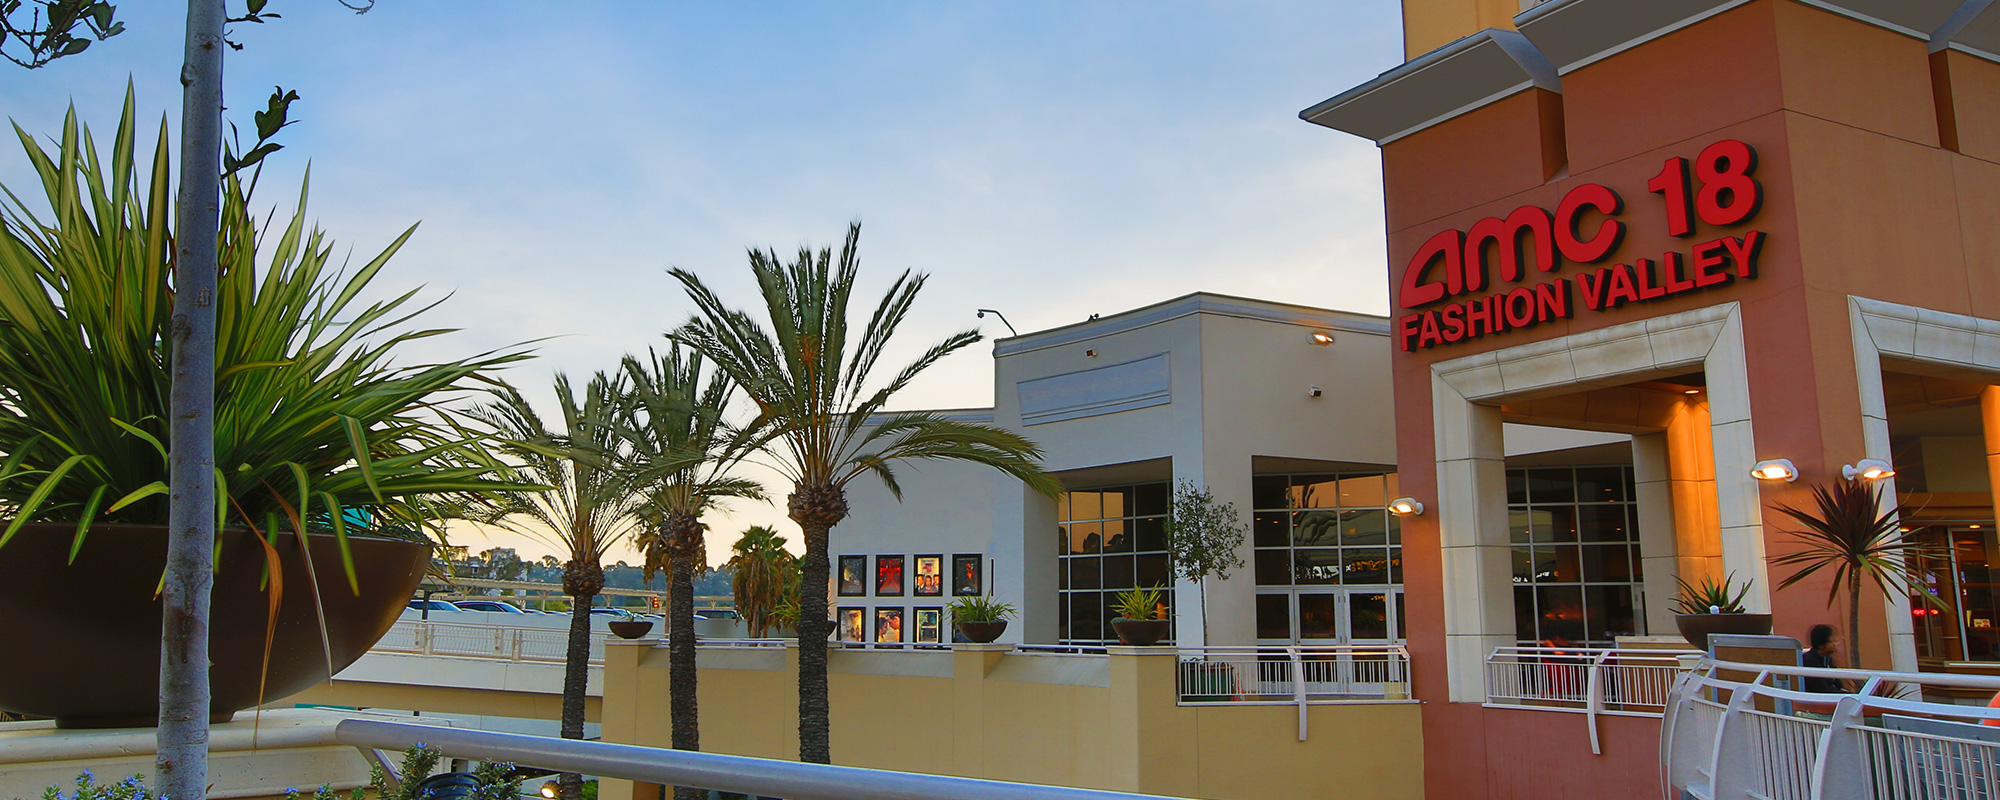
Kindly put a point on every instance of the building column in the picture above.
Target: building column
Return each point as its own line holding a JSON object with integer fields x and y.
{"x": 1474, "y": 550}
{"x": 1697, "y": 535}
{"x": 1658, "y": 533}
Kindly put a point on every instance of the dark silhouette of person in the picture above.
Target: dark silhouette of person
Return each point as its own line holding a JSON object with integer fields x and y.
{"x": 1823, "y": 651}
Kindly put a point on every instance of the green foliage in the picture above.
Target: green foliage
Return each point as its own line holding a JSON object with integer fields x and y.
{"x": 1202, "y": 534}
{"x": 53, "y": 29}
{"x": 312, "y": 418}
{"x": 87, "y": 788}
{"x": 979, "y": 609}
{"x": 1699, "y": 598}
{"x": 1140, "y": 603}
{"x": 680, "y": 450}
{"x": 1847, "y": 533}
{"x": 766, "y": 577}
{"x": 496, "y": 781}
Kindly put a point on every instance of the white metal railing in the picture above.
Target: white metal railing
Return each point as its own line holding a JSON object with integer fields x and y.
{"x": 1762, "y": 738}
{"x": 1060, "y": 650}
{"x": 757, "y": 777}
{"x": 484, "y": 641}
{"x": 1593, "y": 681}
{"x": 1299, "y": 675}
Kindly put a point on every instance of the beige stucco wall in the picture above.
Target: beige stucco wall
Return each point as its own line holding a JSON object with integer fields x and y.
{"x": 1103, "y": 722}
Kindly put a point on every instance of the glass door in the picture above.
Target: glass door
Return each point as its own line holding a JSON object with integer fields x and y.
{"x": 1336, "y": 616}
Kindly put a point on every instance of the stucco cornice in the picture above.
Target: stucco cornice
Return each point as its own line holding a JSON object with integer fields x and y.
{"x": 1189, "y": 305}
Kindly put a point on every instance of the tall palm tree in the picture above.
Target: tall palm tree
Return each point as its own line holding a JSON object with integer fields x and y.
{"x": 681, "y": 450}
{"x": 589, "y": 508}
{"x": 765, "y": 572}
{"x": 823, "y": 421}
{"x": 1846, "y": 531}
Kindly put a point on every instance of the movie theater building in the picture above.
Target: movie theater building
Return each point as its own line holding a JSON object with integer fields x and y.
{"x": 1738, "y": 231}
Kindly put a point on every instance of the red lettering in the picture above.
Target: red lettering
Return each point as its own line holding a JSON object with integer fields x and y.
{"x": 1527, "y": 226}
{"x": 1407, "y": 330}
{"x": 1552, "y": 300}
{"x": 1673, "y": 266}
{"x": 1447, "y": 247}
{"x": 1672, "y": 183}
{"x": 1479, "y": 319}
{"x": 1593, "y": 288}
{"x": 1642, "y": 273}
{"x": 1427, "y": 334}
{"x": 1621, "y": 290}
{"x": 1454, "y": 322}
{"x": 1707, "y": 257}
{"x": 1520, "y": 307}
{"x": 1728, "y": 194}
{"x": 1744, "y": 252}
{"x": 1609, "y": 231}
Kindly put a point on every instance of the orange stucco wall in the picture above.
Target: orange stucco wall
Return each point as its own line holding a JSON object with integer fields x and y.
{"x": 1861, "y": 197}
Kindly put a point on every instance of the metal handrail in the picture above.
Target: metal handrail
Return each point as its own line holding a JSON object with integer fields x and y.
{"x": 1295, "y": 675}
{"x": 740, "y": 774}
{"x": 1583, "y": 679}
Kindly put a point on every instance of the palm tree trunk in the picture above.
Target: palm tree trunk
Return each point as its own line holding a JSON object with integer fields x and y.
{"x": 582, "y": 581}
{"x": 1853, "y": 619}
{"x": 816, "y": 509}
{"x": 682, "y": 676}
{"x": 181, "y": 742}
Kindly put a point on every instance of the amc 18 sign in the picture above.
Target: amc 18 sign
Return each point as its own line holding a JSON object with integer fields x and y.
{"x": 1584, "y": 229}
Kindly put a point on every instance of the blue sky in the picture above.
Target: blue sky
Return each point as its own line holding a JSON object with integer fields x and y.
{"x": 1048, "y": 159}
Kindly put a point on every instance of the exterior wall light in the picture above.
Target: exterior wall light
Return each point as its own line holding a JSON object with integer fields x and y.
{"x": 1868, "y": 469}
{"x": 1775, "y": 469}
{"x": 1322, "y": 338}
{"x": 1406, "y": 507}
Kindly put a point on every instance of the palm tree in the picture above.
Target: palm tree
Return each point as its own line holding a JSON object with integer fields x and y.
{"x": 820, "y": 423}
{"x": 680, "y": 451}
{"x": 765, "y": 573}
{"x": 588, "y": 508}
{"x": 1848, "y": 533}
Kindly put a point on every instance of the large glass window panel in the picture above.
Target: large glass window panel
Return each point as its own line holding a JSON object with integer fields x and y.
{"x": 1602, "y": 523}
{"x": 1551, "y": 486}
{"x": 1267, "y": 492}
{"x": 1107, "y": 614}
{"x": 1315, "y": 491}
{"x": 1606, "y": 563}
{"x": 1517, "y": 487}
{"x": 1560, "y": 564}
{"x": 1118, "y": 572}
{"x": 1274, "y": 567}
{"x": 1561, "y": 614}
{"x": 1316, "y": 567}
{"x": 1520, "y": 529}
{"x": 1085, "y": 573}
{"x": 1395, "y": 529}
{"x": 1363, "y": 491}
{"x": 1524, "y": 564}
{"x": 1364, "y": 527}
{"x": 1152, "y": 498}
{"x": 1315, "y": 528}
{"x": 1402, "y": 627}
{"x": 1319, "y": 615}
{"x": 1526, "y": 628}
{"x": 1274, "y": 616}
{"x": 1600, "y": 484}
{"x": 1086, "y": 505}
{"x": 1151, "y": 533}
{"x": 1086, "y": 537}
{"x": 1154, "y": 570}
{"x": 1086, "y": 615}
{"x": 1062, "y": 540}
{"x": 1364, "y": 565}
{"x": 1117, "y": 539}
{"x": 1367, "y": 616}
{"x": 1396, "y": 565}
{"x": 1638, "y": 566}
{"x": 1555, "y": 524}
{"x": 1115, "y": 502}
{"x": 1609, "y": 612}
{"x": 1062, "y": 616}
{"x": 1270, "y": 529}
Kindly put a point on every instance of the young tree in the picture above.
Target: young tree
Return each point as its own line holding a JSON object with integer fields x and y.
{"x": 589, "y": 508}
{"x": 1847, "y": 532}
{"x": 1202, "y": 538}
{"x": 765, "y": 573}
{"x": 681, "y": 451}
{"x": 822, "y": 421}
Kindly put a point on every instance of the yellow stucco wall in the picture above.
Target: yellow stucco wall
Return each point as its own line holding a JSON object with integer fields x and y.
{"x": 1103, "y": 722}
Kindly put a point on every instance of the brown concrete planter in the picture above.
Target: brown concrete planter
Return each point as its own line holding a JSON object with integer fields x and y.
{"x": 86, "y": 635}
{"x": 1696, "y": 628}
{"x": 630, "y": 628}
{"x": 1141, "y": 632}
{"x": 983, "y": 632}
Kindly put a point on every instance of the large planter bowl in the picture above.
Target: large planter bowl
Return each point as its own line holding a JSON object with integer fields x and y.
{"x": 983, "y": 632}
{"x": 1696, "y": 628}
{"x": 1141, "y": 632}
{"x": 85, "y": 636}
{"x": 630, "y": 628}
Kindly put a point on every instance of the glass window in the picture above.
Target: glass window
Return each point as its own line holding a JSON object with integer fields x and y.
{"x": 1274, "y": 616}
{"x": 1579, "y": 582}
{"x": 1113, "y": 538}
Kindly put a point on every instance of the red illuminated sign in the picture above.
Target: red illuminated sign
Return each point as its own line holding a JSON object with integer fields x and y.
{"x": 1716, "y": 188}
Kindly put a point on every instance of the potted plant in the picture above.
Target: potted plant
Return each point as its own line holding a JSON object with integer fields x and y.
{"x": 1142, "y": 617}
{"x": 1849, "y": 534}
{"x": 630, "y": 628}
{"x": 980, "y": 619}
{"x": 332, "y": 462}
{"x": 1710, "y": 607}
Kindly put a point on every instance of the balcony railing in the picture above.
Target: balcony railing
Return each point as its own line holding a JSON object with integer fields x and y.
{"x": 757, "y": 777}
{"x": 1744, "y": 731}
{"x": 1592, "y": 681}
{"x": 1296, "y": 675}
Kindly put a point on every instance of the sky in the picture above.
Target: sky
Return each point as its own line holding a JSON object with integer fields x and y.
{"x": 1051, "y": 160}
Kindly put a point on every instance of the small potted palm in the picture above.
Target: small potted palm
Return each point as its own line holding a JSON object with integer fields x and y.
{"x": 980, "y": 619}
{"x": 1711, "y": 607}
{"x": 1142, "y": 617}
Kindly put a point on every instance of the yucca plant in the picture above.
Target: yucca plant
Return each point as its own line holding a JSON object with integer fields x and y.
{"x": 1710, "y": 597}
{"x": 1847, "y": 531}
{"x": 315, "y": 424}
{"x": 979, "y": 609}
{"x": 1140, "y": 603}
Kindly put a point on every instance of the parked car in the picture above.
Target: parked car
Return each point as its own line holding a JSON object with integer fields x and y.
{"x": 487, "y": 605}
{"x": 614, "y": 613}
{"x": 433, "y": 605}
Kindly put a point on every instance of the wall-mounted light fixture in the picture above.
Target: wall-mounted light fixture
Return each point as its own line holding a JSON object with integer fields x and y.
{"x": 1775, "y": 469}
{"x": 1090, "y": 354}
{"x": 1313, "y": 391}
{"x": 1322, "y": 338}
{"x": 1406, "y": 507}
{"x": 1868, "y": 469}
